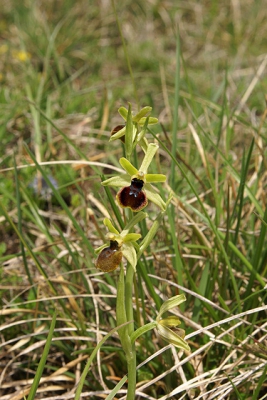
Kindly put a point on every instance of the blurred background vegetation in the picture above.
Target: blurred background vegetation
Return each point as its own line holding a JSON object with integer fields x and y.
{"x": 63, "y": 75}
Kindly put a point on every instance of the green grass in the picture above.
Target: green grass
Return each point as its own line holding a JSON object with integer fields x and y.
{"x": 63, "y": 75}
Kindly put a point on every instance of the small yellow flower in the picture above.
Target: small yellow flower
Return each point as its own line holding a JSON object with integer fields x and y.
{"x": 21, "y": 55}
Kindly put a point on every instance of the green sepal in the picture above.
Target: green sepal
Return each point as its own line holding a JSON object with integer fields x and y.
{"x": 128, "y": 167}
{"x": 150, "y": 178}
{"x": 129, "y": 253}
{"x": 110, "y": 227}
{"x": 123, "y": 112}
{"x": 153, "y": 196}
{"x": 171, "y": 303}
{"x": 151, "y": 151}
{"x": 117, "y": 181}
{"x": 141, "y": 114}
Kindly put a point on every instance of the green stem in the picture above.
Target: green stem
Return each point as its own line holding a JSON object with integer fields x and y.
{"x": 124, "y": 313}
{"x": 129, "y": 297}
{"x": 131, "y": 363}
{"x": 131, "y": 356}
{"x": 121, "y": 313}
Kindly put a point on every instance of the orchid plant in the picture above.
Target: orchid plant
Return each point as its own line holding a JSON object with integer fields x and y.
{"x": 134, "y": 193}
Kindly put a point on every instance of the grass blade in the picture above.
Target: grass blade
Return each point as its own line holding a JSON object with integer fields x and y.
{"x": 176, "y": 108}
{"x": 42, "y": 361}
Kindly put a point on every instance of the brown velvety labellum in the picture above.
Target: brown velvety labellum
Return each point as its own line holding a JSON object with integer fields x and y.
{"x": 110, "y": 258}
{"x": 117, "y": 129}
{"x": 132, "y": 196}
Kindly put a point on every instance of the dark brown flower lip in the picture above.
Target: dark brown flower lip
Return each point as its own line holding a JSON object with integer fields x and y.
{"x": 110, "y": 257}
{"x": 133, "y": 196}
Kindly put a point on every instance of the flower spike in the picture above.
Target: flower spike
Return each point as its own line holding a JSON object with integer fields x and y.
{"x": 130, "y": 132}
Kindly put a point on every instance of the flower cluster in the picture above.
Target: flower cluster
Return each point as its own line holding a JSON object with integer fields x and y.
{"x": 135, "y": 190}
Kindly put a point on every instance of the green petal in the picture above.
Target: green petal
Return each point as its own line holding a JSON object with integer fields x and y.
{"x": 171, "y": 303}
{"x": 110, "y": 227}
{"x": 151, "y": 151}
{"x": 128, "y": 167}
{"x": 150, "y": 178}
{"x": 171, "y": 321}
{"x": 131, "y": 237}
{"x": 151, "y": 121}
{"x": 123, "y": 112}
{"x": 141, "y": 114}
{"x": 153, "y": 196}
{"x": 129, "y": 253}
{"x": 117, "y": 181}
{"x": 171, "y": 337}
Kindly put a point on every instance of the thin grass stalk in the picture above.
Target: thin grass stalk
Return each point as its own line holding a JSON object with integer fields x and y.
{"x": 25, "y": 263}
{"x": 241, "y": 190}
{"x": 89, "y": 362}
{"x": 258, "y": 253}
{"x": 113, "y": 205}
{"x": 177, "y": 260}
{"x": 176, "y": 109}
{"x": 42, "y": 362}
{"x": 215, "y": 230}
{"x": 25, "y": 244}
{"x": 62, "y": 203}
